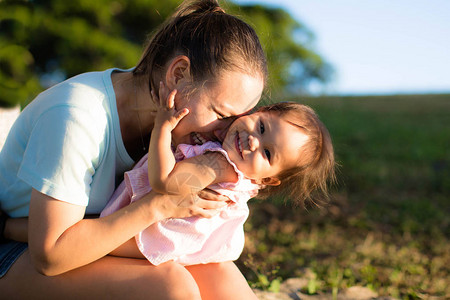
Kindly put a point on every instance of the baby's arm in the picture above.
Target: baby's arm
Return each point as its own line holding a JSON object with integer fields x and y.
{"x": 161, "y": 160}
{"x": 186, "y": 177}
{"x": 194, "y": 174}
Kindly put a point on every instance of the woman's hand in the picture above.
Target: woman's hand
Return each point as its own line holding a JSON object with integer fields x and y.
{"x": 169, "y": 206}
{"x": 166, "y": 115}
{"x": 210, "y": 195}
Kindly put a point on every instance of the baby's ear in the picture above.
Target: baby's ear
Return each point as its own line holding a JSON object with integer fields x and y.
{"x": 270, "y": 181}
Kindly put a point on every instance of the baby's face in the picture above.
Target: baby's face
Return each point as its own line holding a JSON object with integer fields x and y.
{"x": 262, "y": 145}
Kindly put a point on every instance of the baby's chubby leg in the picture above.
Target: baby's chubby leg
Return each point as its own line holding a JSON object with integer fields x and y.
{"x": 221, "y": 281}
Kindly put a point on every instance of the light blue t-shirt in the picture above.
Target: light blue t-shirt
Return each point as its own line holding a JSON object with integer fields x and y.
{"x": 66, "y": 144}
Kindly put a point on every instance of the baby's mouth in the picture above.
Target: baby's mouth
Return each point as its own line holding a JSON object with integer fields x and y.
{"x": 198, "y": 139}
{"x": 238, "y": 145}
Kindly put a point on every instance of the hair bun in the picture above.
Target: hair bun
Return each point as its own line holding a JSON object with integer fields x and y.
{"x": 200, "y": 7}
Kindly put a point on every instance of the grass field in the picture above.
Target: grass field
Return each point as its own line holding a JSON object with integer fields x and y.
{"x": 387, "y": 224}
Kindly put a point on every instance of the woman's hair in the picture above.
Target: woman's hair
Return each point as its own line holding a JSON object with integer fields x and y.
{"x": 315, "y": 168}
{"x": 213, "y": 40}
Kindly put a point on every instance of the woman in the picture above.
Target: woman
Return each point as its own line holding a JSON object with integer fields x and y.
{"x": 70, "y": 146}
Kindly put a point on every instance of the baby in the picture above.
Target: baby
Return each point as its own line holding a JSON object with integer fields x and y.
{"x": 282, "y": 147}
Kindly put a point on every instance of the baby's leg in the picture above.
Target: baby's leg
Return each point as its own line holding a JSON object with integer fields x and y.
{"x": 221, "y": 281}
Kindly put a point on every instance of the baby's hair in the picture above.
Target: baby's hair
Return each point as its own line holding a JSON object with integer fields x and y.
{"x": 213, "y": 41}
{"x": 315, "y": 168}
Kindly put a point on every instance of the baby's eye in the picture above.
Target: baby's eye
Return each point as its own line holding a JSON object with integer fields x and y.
{"x": 267, "y": 153}
{"x": 261, "y": 127}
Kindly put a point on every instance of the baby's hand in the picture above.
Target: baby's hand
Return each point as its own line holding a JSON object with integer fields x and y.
{"x": 166, "y": 115}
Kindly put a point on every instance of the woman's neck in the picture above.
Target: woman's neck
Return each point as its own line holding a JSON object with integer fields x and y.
{"x": 135, "y": 107}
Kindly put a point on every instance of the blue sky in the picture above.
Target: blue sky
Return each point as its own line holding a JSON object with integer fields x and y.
{"x": 378, "y": 46}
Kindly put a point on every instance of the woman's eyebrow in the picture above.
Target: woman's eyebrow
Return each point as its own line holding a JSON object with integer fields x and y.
{"x": 214, "y": 108}
{"x": 228, "y": 110}
{"x": 221, "y": 111}
{"x": 221, "y": 114}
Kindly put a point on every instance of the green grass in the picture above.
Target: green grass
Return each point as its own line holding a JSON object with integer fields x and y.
{"x": 387, "y": 225}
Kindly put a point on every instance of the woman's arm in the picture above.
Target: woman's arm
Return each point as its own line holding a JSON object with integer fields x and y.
{"x": 16, "y": 229}
{"x": 61, "y": 240}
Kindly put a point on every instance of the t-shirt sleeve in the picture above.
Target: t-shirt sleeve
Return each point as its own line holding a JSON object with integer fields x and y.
{"x": 62, "y": 153}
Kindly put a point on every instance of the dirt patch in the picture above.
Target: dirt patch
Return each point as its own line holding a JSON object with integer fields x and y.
{"x": 291, "y": 289}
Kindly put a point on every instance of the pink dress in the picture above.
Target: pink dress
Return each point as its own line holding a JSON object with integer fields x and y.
{"x": 192, "y": 240}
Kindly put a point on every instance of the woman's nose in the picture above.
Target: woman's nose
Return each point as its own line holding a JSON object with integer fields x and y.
{"x": 253, "y": 143}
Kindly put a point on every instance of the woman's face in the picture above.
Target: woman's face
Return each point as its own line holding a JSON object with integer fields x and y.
{"x": 211, "y": 108}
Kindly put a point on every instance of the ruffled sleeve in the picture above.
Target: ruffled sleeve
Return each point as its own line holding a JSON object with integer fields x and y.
{"x": 136, "y": 180}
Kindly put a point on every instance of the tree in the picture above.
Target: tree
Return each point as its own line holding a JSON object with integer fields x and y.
{"x": 292, "y": 63}
{"x": 45, "y": 41}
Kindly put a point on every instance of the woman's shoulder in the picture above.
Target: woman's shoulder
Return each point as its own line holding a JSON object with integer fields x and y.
{"x": 85, "y": 92}
{"x": 78, "y": 87}
{"x": 81, "y": 86}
